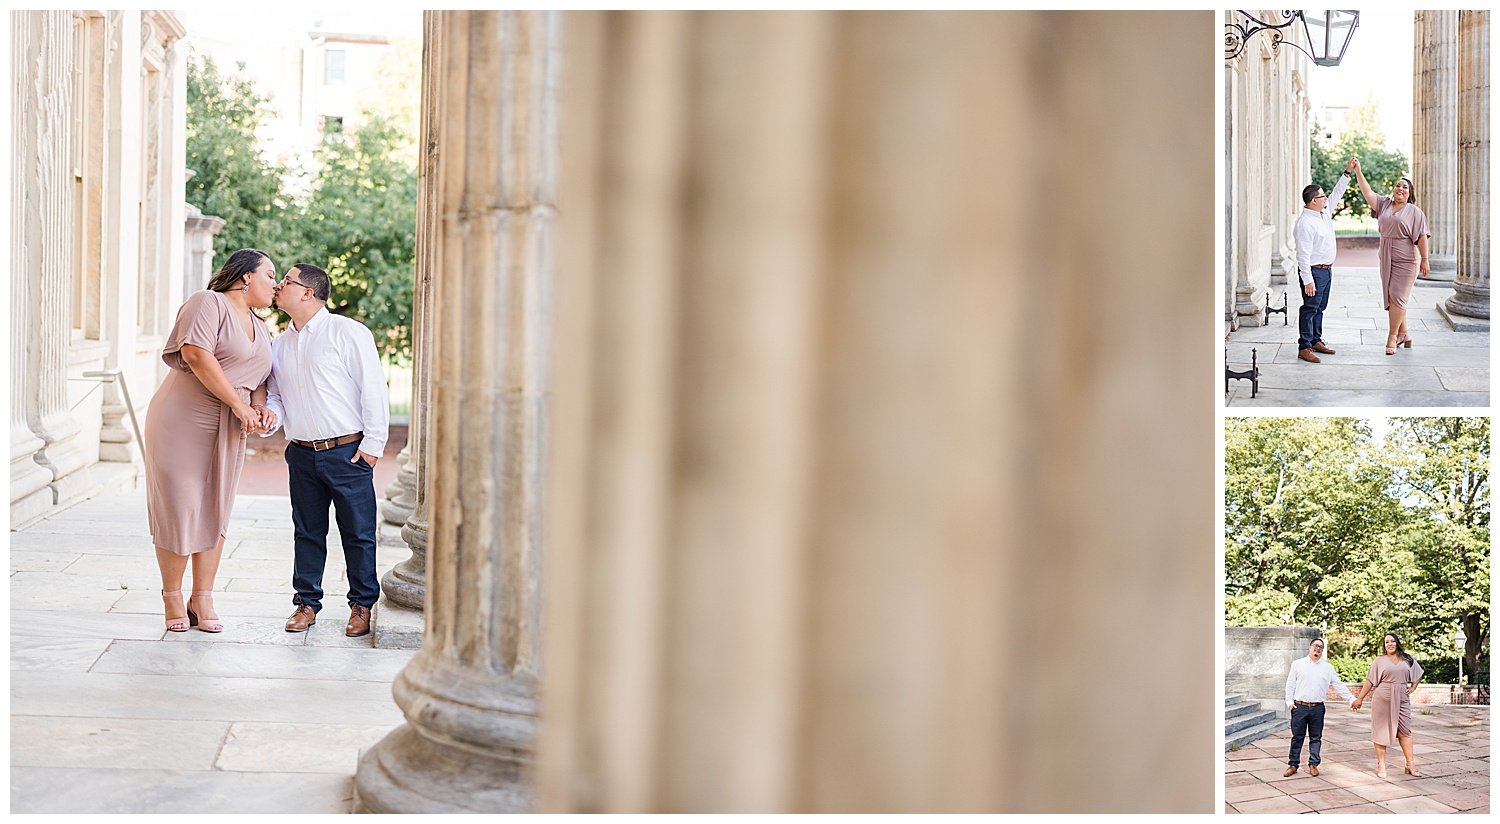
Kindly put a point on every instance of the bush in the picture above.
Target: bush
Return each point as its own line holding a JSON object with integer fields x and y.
{"x": 1351, "y": 670}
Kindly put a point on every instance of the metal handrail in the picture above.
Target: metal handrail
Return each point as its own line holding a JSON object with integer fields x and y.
{"x": 104, "y": 376}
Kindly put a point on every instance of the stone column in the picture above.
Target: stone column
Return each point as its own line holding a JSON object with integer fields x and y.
{"x": 1434, "y": 140}
{"x": 1471, "y": 287}
{"x": 29, "y": 495}
{"x": 398, "y": 620}
{"x": 41, "y": 250}
{"x": 1284, "y": 189}
{"x": 470, "y": 694}
{"x": 832, "y": 427}
{"x": 198, "y": 248}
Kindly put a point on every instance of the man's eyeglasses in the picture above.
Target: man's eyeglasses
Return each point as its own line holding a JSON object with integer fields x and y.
{"x": 294, "y": 283}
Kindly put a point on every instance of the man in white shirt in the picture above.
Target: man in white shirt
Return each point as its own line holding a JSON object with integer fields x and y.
{"x": 328, "y": 390}
{"x": 1306, "y": 687}
{"x": 1316, "y": 249}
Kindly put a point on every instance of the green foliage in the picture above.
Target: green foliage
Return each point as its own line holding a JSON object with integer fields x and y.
{"x": 357, "y": 218}
{"x": 360, "y": 225}
{"x": 1325, "y": 527}
{"x": 232, "y": 177}
{"x": 1362, "y": 140}
{"x": 1351, "y": 670}
{"x": 1265, "y": 608}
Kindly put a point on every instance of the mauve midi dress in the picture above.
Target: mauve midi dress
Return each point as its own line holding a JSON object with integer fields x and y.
{"x": 1390, "y": 713}
{"x": 1400, "y": 229}
{"x": 195, "y": 448}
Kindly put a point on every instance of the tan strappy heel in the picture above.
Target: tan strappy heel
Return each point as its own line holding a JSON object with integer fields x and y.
{"x": 203, "y": 624}
{"x": 175, "y": 624}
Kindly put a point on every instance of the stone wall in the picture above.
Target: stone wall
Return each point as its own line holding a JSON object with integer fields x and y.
{"x": 1257, "y": 659}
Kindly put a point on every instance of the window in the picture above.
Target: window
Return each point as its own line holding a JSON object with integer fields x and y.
{"x": 333, "y": 66}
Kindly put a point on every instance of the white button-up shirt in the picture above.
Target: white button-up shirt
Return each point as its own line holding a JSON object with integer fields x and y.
{"x": 1310, "y": 682}
{"x": 326, "y": 382}
{"x": 1314, "y": 233}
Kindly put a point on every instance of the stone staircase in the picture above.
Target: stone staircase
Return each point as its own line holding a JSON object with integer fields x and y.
{"x": 1245, "y": 721}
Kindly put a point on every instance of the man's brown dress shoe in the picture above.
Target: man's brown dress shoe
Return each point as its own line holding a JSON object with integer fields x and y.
{"x": 303, "y": 618}
{"x": 1324, "y": 348}
{"x": 359, "y": 621}
{"x": 1312, "y": 770}
{"x": 1307, "y": 355}
{"x": 1290, "y": 771}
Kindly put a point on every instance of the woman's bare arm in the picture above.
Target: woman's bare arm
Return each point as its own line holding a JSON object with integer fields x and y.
{"x": 206, "y": 369}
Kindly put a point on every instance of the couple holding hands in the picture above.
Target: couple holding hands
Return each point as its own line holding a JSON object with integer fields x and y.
{"x": 1403, "y": 257}
{"x": 321, "y": 379}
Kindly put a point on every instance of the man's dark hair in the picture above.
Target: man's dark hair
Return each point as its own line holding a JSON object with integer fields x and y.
{"x": 238, "y": 265}
{"x": 313, "y": 278}
{"x": 1309, "y": 192}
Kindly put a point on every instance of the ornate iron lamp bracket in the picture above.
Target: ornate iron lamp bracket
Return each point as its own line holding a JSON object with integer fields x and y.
{"x": 1236, "y": 35}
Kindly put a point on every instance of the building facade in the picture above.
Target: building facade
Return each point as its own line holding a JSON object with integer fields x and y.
{"x": 1267, "y": 161}
{"x": 99, "y": 257}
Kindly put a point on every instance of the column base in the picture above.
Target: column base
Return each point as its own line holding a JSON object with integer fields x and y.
{"x": 30, "y": 507}
{"x": 1442, "y": 273}
{"x": 472, "y": 752}
{"x": 407, "y": 773}
{"x": 395, "y": 626}
{"x": 1462, "y": 323}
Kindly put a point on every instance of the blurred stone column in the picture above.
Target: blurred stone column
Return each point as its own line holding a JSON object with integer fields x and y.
{"x": 1471, "y": 287}
{"x": 1434, "y": 141}
{"x": 470, "y": 694}
{"x": 398, "y": 620}
{"x": 845, "y": 404}
{"x": 41, "y": 253}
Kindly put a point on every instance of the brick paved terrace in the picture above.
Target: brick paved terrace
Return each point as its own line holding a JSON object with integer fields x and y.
{"x": 1452, "y": 752}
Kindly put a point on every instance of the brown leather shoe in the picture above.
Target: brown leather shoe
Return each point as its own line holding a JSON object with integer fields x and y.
{"x": 1323, "y": 347}
{"x": 359, "y": 621}
{"x": 1290, "y": 771}
{"x": 1307, "y": 355}
{"x": 303, "y": 618}
{"x": 1312, "y": 770}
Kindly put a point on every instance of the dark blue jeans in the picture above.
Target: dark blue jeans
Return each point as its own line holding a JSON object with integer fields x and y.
{"x": 1307, "y": 721}
{"x": 1310, "y": 316}
{"x": 316, "y": 480}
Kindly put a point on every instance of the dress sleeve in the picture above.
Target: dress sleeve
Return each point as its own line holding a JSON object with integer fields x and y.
{"x": 1419, "y": 226}
{"x": 1381, "y": 204}
{"x": 1416, "y": 671}
{"x": 1373, "y": 677}
{"x": 198, "y": 323}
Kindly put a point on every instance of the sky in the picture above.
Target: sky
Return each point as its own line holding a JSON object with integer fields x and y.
{"x": 1379, "y": 65}
{"x": 245, "y": 25}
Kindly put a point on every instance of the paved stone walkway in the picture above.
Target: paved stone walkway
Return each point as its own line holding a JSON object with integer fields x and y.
{"x": 1452, "y": 750}
{"x": 111, "y": 713}
{"x": 1443, "y": 367}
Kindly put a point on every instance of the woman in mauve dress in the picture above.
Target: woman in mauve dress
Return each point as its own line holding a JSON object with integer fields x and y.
{"x": 1393, "y": 677}
{"x": 1403, "y": 251}
{"x": 220, "y": 354}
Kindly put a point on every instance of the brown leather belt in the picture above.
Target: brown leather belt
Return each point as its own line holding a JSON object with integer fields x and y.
{"x": 1321, "y": 266}
{"x": 1308, "y": 703}
{"x": 329, "y": 443}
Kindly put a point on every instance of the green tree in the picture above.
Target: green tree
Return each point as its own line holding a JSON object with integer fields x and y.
{"x": 360, "y": 224}
{"x": 1302, "y": 498}
{"x": 1362, "y": 139}
{"x": 232, "y": 177}
{"x": 1443, "y": 464}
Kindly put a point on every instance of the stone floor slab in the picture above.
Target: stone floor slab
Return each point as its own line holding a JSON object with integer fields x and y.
{"x": 62, "y": 592}
{"x": 235, "y": 660}
{"x": 56, "y": 654}
{"x": 41, "y": 560}
{"x": 1464, "y": 378}
{"x": 229, "y": 605}
{"x": 113, "y": 790}
{"x": 303, "y": 748}
{"x": 1279, "y": 804}
{"x": 1328, "y": 799}
{"x": 1432, "y": 356}
{"x": 243, "y": 630}
{"x": 1390, "y": 399}
{"x": 202, "y": 698}
{"x": 1416, "y": 804}
{"x": 155, "y": 744}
